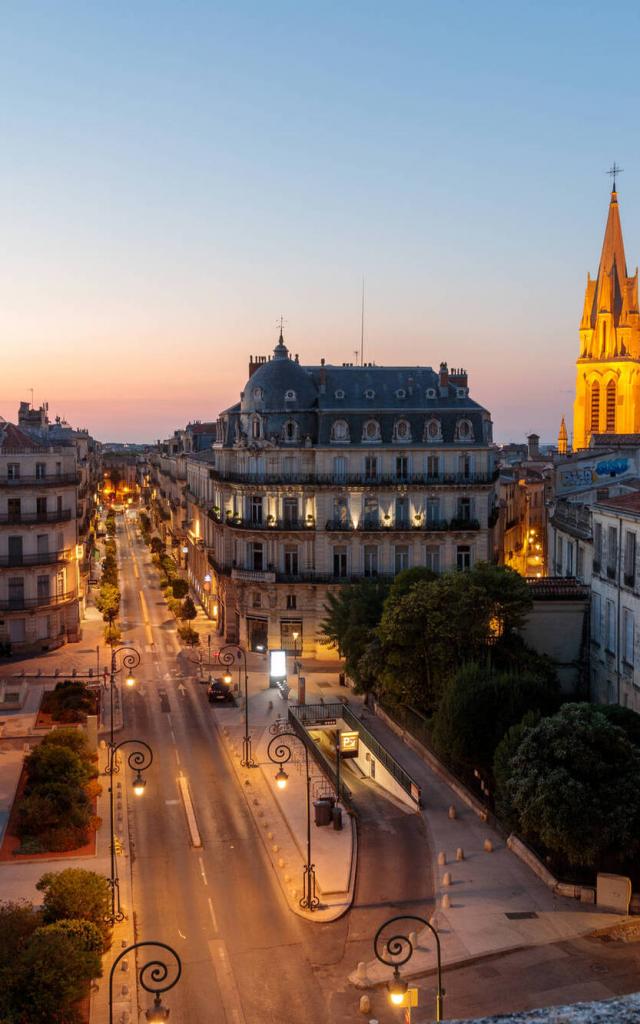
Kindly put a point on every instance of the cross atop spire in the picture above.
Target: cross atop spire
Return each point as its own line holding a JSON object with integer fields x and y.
{"x": 613, "y": 170}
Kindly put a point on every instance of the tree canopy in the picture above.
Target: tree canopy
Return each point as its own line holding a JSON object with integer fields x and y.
{"x": 353, "y": 614}
{"x": 75, "y": 893}
{"x": 575, "y": 783}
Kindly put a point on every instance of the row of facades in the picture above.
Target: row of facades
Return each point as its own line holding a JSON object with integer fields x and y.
{"x": 48, "y": 477}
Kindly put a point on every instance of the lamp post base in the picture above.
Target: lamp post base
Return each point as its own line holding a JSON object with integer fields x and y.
{"x": 309, "y": 901}
{"x": 247, "y": 754}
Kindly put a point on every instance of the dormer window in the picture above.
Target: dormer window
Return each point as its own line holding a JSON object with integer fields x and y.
{"x": 433, "y": 430}
{"x": 340, "y": 431}
{"x": 291, "y": 431}
{"x": 369, "y": 393}
{"x": 371, "y": 431}
{"x": 257, "y": 394}
{"x": 256, "y": 428}
{"x": 402, "y": 431}
{"x": 462, "y": 393}
{"x": 339, "y": 393}
{"x": 464, "y": 430}
{"x": 430, "y": 393}
{"x": 401, "y": 393}
{"x": 289, "y": 396}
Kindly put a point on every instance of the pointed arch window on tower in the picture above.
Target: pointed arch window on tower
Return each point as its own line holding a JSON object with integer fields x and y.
{"x": 594, "y": 422}
{"x": 611, "y": 407}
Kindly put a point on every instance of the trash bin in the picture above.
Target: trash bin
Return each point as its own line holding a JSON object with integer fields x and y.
{"x": 336, "y": 815}
{"x": 322, "y": 809}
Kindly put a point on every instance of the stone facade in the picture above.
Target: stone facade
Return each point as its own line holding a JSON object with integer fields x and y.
{"x": 321, "y": 475}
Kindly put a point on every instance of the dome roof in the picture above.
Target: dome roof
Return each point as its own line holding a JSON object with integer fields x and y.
{"x": 280, "y": 384}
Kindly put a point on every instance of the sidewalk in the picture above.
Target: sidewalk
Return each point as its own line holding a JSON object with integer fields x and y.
{"x": 496, "y": 902}
{"x": 281, "y": 814}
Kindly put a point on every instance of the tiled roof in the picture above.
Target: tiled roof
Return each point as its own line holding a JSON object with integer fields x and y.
{"x": 557, "y": 588}
{"x": 13, "y": 438}
{"x": 622, "y": 503}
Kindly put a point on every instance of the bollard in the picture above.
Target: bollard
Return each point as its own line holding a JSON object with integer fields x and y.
{"x": 413, "y": 940}
{"x": 269, "y": 835}
{"x": 446, "y": 902}
{"x": 488, "y": 846}
{"x": 459, "y": 853}
{"x": 361, "y": 971}
{"x": 275, "y": 847}
{"x": 365, "y": 1004}
{"x": 446, "y": 878}
{"x": 442, "y": 858}
{"x": 280, "y": 862}
{"x": 452, "y": 812}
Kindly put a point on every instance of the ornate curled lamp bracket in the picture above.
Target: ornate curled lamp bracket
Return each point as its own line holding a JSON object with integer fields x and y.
{"x": 279, "y": 752}
{"x": 397, "y": 949}
{"x": 130, "y": 659}
{"x": 156, "y": 976}
{"x": 138, "y": 760}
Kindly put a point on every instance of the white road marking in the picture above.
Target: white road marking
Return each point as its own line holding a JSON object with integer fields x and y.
{"x": 181, "y": 934}
{"x": 226, "y": 981}
{"x": 202, "y": 871}
{"x": 170, "y": 720}
{"x": 213, "y": 915}
{"x": 194, "y": 832}
{"x": 177, "y": 755}
{"x": 173, "y": 737}
{"x": 172, "y": 801}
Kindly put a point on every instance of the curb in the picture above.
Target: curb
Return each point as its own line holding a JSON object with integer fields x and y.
{"x": 318, "y": 916}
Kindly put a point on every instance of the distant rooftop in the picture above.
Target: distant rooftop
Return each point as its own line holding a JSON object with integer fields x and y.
{"x": 556, "y": 588}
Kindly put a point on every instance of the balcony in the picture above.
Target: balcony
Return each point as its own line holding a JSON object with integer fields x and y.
{"x": 358, "y": 479}
{"x": 52, "y": 480}
{"x": 45, "y": 558}
{"x": 629, "y": 579}
{"x": 284, "y": 525}
{"x": 252, "y": 575}
{"x": 35, "y": 518}
{"x": 20, "y": 604}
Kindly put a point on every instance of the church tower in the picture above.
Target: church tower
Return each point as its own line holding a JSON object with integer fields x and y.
{"x": 608, "y": 367}
{"x": 562, "y": 438}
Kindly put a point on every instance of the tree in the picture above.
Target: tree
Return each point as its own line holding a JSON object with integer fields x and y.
{"x": 188, "y": 609}
{"x": 352, "y": 615}
{"x": 407, "y": 579}
{"x": 157, "y": 544}
{"x": 502, "y": 766}
{"x": 74, "y": 739}
{"x": 18, "y": 922}
{"x": 51, "y": 974}
{"x": 625, "y": 719}
{"x": 575, "y": 785}
{"x": 76, "y": 893}
{"x": 108, "y": 601}
{"x": 85, "y": 932}
{"x": 477, "y": 708}
{"x": 180, "y": 588}
{"x": 49, "y": 762}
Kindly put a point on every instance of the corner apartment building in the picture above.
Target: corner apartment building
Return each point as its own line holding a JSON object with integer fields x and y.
{"x": 40, "y": 558}
{"x": 615, "y": 602}
{"x": 324, "y": 474}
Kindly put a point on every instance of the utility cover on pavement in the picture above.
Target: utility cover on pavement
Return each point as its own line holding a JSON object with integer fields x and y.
{"x": 521, "y": 915}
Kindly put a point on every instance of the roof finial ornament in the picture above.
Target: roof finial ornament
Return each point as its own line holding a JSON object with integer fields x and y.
{"x": 613, "y": 170}
{"x": 281, "y": 324}
{"x": 281, "y": 351}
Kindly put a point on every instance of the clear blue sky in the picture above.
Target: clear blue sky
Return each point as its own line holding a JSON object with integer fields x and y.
{"x": 175, "y": 175}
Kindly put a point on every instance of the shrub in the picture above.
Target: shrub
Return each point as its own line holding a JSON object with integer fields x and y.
{"x": 76, "y": 893}
{"x": 85, "y": 932}
{"x": 157, "y": 545}
{"x": 74, "y": 739}
{"x": 180, "y": 588}
{"x": 49, "y": 762}
{"x": 70, "y": 701}
{"x": 52, "y": 973}
{"x": 188, "y": 609}
{"x": 188, "y": 635}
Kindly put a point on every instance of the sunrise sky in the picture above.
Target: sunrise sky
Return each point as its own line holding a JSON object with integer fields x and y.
{"x": 175, "y": 175}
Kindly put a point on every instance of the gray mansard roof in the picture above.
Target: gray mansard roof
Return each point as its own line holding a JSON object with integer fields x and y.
{"x": 281, "y": 391}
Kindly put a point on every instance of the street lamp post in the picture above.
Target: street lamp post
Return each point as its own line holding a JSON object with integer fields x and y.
{"x": 153, "y": 978}
{"x": 398, "y": 950}
{"x": 227, "y": 656}
{"x": 130, "y": 659}
{"x": 280, "y": 753}
{"x": 139, "y": 760}
{"x": 295, "y": 634}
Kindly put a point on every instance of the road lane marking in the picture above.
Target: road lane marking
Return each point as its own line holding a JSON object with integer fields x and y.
{"x": 172, "y": 801}
{"x": 194, "y": 832}
{"x": 213, "y": 915}
{"x": 173, "y": 737}
{"x": 202, "y": 871}
{"x": 229, "y": 992}
{"x": 177, "y": 756}
{"x": 145, "y": 616}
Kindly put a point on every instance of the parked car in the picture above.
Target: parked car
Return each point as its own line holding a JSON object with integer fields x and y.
{"x": 219, "y": 692}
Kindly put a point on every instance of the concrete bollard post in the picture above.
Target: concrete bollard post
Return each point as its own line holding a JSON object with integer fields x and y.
{"x": 280, "y": 862}
{"x": 275, "y": 847}
{"x": 452, "y": 812}
{"x": 361, "y": 971}
{"x": 365, "y": 1004}
{"x": 442, "y": 858}
{"x": 413, "y": 940}
{"x": 459, "y": 853}
{"x": 446, "y": 902}
{"x": 446, "y": 878}
{"x": 488, "y": 846}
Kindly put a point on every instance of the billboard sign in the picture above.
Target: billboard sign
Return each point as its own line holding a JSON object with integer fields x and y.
{"x": 277, "y": 666}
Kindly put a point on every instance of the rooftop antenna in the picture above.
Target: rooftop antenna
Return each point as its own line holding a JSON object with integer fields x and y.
{"x": 362, "y": 328}
{"x": 355, "y": 352}
{"x": 31, "y": 390}
{"x": 613, "y": 170}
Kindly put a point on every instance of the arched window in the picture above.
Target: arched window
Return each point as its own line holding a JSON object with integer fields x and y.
{"x": 402, "y": 431}
{"x": 371, "y": 431}
{"x": 464, "y": 430}
{"x": 594, "y": 418}
{"x": 340, "y": 430}
{"x": 611, "y": 407}
{"x": 256, "y": 427}
{"x": 291, "y": 431}
{"x": 433, "y": 430}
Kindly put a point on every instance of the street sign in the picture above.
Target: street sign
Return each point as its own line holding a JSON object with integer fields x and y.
{"x": 349, "y": 743}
